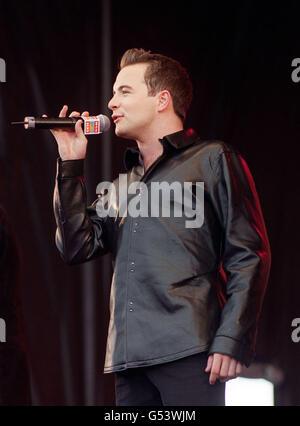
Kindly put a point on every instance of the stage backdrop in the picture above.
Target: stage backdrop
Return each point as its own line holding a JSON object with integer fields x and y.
{"x": 239, "y": 55}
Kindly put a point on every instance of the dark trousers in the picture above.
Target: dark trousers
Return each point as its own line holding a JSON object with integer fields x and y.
{"x": 180, "y": 382}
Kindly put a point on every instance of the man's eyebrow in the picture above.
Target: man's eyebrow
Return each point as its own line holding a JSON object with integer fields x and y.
{"x": 124, "y": 86}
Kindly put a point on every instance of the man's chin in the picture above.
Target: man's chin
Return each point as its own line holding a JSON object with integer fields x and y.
{"x": 122, "y": 133}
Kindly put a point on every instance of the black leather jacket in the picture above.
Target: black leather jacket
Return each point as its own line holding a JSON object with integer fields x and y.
{"x": 176, "y": 291}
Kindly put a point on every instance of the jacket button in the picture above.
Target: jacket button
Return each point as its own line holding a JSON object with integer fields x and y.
{"x": 130, "y": 310}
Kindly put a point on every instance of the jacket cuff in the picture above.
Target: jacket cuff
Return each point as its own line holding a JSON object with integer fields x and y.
{"x": 69, "y": 168}
{"x": 234, "y": 348}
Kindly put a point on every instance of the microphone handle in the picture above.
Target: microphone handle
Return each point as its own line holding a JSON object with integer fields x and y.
{"x": 53, "y": 123}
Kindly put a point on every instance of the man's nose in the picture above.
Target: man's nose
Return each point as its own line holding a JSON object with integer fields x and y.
{"x": 113, "y": 103}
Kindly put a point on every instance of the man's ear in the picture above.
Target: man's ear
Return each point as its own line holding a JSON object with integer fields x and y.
{"x": 164, "y": 100}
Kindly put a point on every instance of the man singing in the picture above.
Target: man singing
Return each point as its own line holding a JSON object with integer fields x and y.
{"x": 185, "y": 301}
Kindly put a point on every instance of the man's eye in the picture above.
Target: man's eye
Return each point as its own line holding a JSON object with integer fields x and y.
{"x": 124, "y": 92}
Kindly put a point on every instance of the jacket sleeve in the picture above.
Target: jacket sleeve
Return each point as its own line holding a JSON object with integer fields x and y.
{"x": 246, "y": 257}
{"x": 80, "y": 234}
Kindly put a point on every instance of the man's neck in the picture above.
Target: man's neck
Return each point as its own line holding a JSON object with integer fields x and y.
{"x": 151, "y": 148}
{"x": 150, "y": 152}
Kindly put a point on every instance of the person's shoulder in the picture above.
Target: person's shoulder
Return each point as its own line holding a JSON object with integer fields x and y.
{"x": 211, "y": 151}
{"x": 214, "y": 146}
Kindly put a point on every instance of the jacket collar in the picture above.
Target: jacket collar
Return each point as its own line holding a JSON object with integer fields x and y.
{"x": 178, "y": 140}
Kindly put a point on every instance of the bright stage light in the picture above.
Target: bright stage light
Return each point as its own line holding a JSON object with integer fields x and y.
{"x": 249, "y": 392}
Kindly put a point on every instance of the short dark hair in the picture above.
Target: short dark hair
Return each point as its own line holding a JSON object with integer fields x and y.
{"x": 163, "y": 73}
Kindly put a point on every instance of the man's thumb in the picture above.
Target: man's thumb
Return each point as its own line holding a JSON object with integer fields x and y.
{"x": 209, "y": 363}
{"x": 78, "y": 128}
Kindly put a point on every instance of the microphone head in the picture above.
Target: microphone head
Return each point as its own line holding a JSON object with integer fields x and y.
{"x": 104, "y": 123}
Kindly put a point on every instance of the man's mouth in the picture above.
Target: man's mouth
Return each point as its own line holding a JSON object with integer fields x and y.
{"x": 116, "y": 118}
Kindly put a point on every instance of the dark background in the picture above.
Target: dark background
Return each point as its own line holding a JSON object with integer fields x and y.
{"x": 239, "y": 57}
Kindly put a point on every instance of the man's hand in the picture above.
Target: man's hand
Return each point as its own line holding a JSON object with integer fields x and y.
{"x": 222, "y": 367}
{"x": 71, "y": 143}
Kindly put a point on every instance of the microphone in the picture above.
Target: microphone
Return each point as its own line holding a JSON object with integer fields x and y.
{"x": 93, "y": 125}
